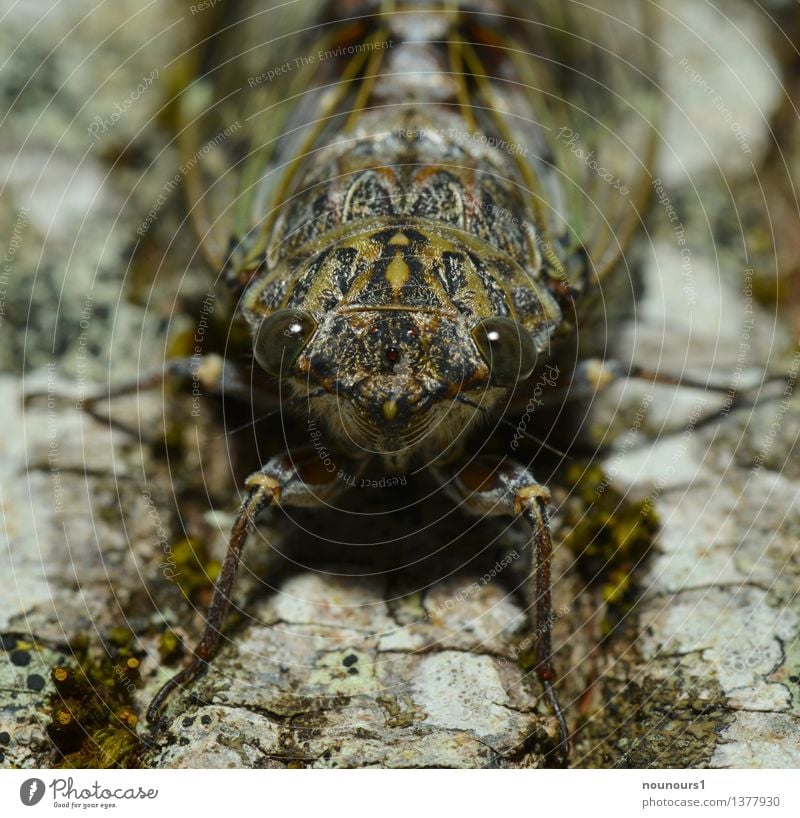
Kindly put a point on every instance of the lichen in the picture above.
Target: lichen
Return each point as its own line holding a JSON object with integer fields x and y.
{"x": 397, "y": 714}
{"x": 669, "y": 723}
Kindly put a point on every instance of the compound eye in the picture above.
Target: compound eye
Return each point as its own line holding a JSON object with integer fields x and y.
{"x": 279, "y": 340}
{"x": 508, "y": 348}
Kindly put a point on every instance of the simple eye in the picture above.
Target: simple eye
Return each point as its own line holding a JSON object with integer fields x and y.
{"x": 508, "y": 349}
{"x": 281, "y": 338}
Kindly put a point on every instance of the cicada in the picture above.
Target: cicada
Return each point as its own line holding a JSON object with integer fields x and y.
{"x": 434, "y": 208}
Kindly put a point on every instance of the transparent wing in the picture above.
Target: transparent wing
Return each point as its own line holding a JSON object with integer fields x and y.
{"x": 585, "y": 110}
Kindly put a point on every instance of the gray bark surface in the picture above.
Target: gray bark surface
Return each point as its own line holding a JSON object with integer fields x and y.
{"x": 413, "y": 663}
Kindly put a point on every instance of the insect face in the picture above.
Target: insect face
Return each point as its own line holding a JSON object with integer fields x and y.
{"x": 375, "y": 329}
{"x": 391, "y": 376}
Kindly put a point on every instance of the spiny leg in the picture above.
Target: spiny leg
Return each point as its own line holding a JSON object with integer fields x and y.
{"x": 211, "y": 372}
{"x": 215, "y": 374}
{"x": 298, "y": 478}
{"x": 262, "y": 494}
{"x": 594, "y": 375}
{"x": 532, "y": 501}
{"x": 487, "y": 487}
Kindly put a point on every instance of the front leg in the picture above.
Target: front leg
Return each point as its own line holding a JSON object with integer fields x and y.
{"x": 296, "y": 479}
{"x": 210, "y": 374}
{"x": 487, "y": 487}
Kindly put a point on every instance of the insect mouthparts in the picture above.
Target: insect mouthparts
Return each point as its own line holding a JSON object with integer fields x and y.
{"x": 390, "y": 410}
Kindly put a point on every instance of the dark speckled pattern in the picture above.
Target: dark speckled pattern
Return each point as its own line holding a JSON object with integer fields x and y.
{"x": 403, "y": 224}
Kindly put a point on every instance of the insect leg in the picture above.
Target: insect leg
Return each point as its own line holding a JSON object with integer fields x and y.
{"x": 212, "y": 372}
{"x": 532, "y": 501}
{"x": 288, "y": 479}
{"x": 262, "y": 493}
{"x": 738, "y": 394}
{"x": 593, "y": 375}
{"x": 490, "y": 487}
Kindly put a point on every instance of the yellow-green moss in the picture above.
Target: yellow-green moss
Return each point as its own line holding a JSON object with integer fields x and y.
{"x": 170, "y": 647}
{"x": 610, "y": 536}
{"x": 194, "y": 571}
{"x": 92, "y": 717}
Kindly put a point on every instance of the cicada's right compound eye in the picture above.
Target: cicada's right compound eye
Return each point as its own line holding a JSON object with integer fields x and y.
{"x": 281, "y": 338}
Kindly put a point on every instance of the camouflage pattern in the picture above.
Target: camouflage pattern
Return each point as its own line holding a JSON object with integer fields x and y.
{"x": 409, "y": 204}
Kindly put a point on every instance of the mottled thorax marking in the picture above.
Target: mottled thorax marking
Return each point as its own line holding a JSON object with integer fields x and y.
{"x": 397, "y": 274}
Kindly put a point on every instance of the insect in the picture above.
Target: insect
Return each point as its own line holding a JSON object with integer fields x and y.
{"x": 428, "y": 221}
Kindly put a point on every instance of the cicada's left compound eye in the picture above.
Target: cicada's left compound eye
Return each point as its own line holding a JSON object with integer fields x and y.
{"x": 281, "y": 338}
{"x": 508, "y": 348}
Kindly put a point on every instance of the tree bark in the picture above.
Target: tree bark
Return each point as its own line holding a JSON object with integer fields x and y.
{"x": 418, "y": 662}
